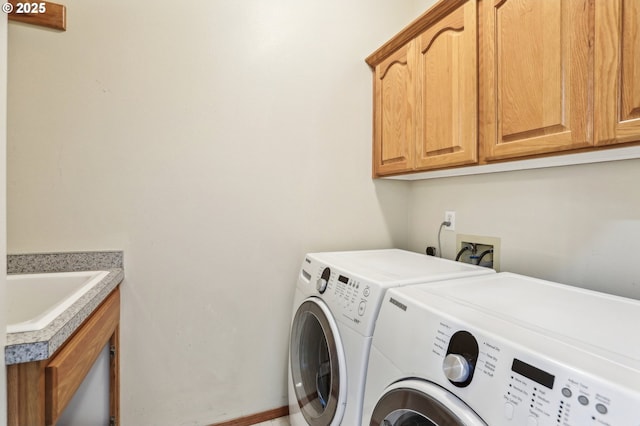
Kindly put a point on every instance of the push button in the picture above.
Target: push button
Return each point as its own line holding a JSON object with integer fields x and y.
{"x": 508, "y": 411}
{"x": 362, "y": 307}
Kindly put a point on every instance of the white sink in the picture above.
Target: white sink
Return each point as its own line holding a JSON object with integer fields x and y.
{"x": 34, "y": 300}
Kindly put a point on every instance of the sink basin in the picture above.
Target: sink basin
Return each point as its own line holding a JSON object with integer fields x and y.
{"x": 34, "y": 300}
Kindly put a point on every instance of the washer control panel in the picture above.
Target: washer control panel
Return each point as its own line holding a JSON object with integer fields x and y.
{"x": 511, "y": 386}
{"x": 551, "y": 396}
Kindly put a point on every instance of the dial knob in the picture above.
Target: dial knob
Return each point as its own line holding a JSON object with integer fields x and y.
{"x": 321, "y": 285}
{"x": 456, "y": 368}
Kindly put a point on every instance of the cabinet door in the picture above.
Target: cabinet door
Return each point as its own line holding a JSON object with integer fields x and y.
{"x": 536, "y": 77}
{"x": 617, "y": 71}
{"x": 394, "y": 109}
{"x": 447, "y": 104}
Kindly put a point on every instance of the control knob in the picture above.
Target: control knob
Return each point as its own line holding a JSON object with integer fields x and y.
{"x": 321, "y": 284}
{"x": 456, "y": 368}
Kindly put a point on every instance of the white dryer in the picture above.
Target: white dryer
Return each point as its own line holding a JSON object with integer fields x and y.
{"x": 504, "y": 350}
{"x": 337, "y": 298}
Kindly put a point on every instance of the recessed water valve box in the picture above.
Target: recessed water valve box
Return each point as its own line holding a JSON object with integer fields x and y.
{"x": 478, "y": 250}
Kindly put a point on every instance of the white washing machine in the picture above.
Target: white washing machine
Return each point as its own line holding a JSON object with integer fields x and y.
{"x": 337, "y": 298}
{"x": 504, "y": 350}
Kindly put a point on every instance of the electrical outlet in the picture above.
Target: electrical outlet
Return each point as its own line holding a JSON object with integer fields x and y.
{"x": 450, "y": 216}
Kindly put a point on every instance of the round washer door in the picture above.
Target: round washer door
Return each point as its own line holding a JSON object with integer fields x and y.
{"x": 421, "y": 403}
{"x": 317, "y": 364}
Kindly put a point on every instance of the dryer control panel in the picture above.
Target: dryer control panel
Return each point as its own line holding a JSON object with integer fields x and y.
{"x": 526, "y": 387}
{"x": 555, "y": 395}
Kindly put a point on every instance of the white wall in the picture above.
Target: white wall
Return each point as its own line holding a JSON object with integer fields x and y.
{"x": 3, "y": 213}
{"x": 215, "y": 142}
{"x": 579, "y": 225}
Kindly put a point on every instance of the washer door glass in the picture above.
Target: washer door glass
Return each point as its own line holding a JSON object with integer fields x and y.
{"x": 316, "y": 361}
{"x": 418, "y": 403}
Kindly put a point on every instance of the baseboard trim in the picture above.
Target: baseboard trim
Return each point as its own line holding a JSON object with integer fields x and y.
{"x": 256, "y": 418}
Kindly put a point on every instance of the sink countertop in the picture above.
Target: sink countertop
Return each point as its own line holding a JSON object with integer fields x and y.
{"x": 41, "y": 344}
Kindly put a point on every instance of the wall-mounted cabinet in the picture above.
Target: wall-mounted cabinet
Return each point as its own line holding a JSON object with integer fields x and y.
{"x": 502, "y": 80}
{"x": 425, "y": 95}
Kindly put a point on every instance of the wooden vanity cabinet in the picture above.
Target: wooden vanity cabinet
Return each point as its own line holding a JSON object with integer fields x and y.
{"x": 425, "y": 93}
{"x": 39, "y": 391}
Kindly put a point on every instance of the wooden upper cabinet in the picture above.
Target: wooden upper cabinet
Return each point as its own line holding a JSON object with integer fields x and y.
{"x": 426, "y": 94}
{"x": 535, "y": 77}
{"x": 475, "y": 82}
{"x": 446, "y": 111}
{"x": 394, "y": 110}
{"x": 617, "y": 71}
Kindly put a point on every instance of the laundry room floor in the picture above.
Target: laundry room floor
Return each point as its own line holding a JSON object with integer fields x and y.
{"x": 282, "y": 421}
